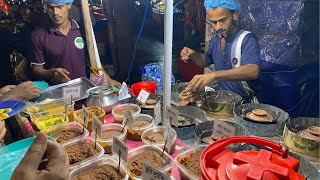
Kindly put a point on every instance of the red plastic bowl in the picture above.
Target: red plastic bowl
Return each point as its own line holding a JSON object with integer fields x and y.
{"x": 149, "y": 86}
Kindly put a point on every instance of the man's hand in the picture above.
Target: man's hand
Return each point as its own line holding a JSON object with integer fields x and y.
{"x": 186, "y": 53}
{"x": 24, "y": 91}
{"x": 6, "y": 89}
{"x": 200, "y": 80}
{"x": 61, "y": 75}
{"x": 3, "y": 131}
{"x": 32, "y": 167}
{"x": 110, "y": 81}
{"x": 114, "y": 83}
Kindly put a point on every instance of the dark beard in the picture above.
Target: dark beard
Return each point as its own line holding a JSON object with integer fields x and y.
{"x": 233, "y": 27}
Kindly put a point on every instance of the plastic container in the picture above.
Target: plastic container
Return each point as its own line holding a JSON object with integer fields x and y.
{"x": 173, "y": 79}
{"x": 134, "y": 133}
{"x": 41, "y": 84}
{"x": 90, "y": 165}
{"x": 149, "y": 86}
{"x": 159, "y": 81}
{"x": 54, "y": 106}
{"x": 161, "y": 130}
{"x": 50, "y": 120}
{"x": 106, "y": 143}
{"x": 54, "y": 131}
{"x": 145, "y": 148}
{"x": 144, "y": 76}
{"x": 87, "y": 160}
{"x": 11, "y": 155}
{"x": 98, "y": 112}
{"x": 119, "y": 117}
{"x": 250, "y": 163}
{"x": 184, "y": 172}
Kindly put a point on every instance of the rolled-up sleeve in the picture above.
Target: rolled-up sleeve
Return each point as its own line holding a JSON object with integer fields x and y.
{"x": 37, "y": 50}
{"x": 250, "y": 52}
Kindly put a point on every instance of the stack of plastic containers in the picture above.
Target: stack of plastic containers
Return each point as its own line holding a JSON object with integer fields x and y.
{"x": 153, "y": 72}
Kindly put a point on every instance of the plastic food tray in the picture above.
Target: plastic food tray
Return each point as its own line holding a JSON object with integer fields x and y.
{"x": 38, "y": 121}
{"x": 185, "y": 173}
{"x": 159, "y": 144}
{"x": 94, "y": 163}
{"x": 107, "y": 143}
{"x": 53, "y": 106}
{"x": 56, "y": 92}
{"x": 118, "y": 118}
{"x": 134, "y": 133}
{"x": 85, "y": 161}
{"x": 54, "y": 131}
{"x": 144, "y": 148}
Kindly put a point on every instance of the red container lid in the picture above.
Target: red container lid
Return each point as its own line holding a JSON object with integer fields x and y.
{"x": 149, "y": 86}
{"x": 143, "y": 85}
{"x": 219, "y": 163}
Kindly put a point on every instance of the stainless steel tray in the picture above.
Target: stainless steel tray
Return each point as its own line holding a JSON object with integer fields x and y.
{"x": 55, "y": 92}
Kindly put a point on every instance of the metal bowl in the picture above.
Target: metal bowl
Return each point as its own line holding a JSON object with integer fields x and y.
{"x": 273, "y": 115}
{"x": 197, "y": 113}
{"x": 301, "y": 144}
{"x": 219, "y": 103}
{"x": 186, "y": 132}
{"x": 262, "y": 129}
{"x": 179, "y": 87}
{"x": 205, "y": 129}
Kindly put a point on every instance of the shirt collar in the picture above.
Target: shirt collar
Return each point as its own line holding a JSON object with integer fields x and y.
{"x": 74, "y": 26}
{"x": 233, "y": 35}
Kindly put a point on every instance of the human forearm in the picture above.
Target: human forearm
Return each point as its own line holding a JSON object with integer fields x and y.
{"x": 24, "y": 91}
{"x": 9, "y": 96}
{"x": 242, "y": 73}
{"x": 40, "y": 73}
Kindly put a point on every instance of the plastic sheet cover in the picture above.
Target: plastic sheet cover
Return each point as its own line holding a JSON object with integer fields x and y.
{"x": 288, "y": 31}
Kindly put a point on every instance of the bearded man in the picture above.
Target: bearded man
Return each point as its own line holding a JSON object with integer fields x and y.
{"x": 233, "y": 51}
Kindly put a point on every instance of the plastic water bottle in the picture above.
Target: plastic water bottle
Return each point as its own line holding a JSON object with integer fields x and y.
{"x": 173, "y": 79}
{"x": 159, "y": 82}
{"x": 144, "y": 76}
{"x": 153, "y": 77}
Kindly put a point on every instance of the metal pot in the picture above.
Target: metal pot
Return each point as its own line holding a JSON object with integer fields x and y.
{"x": 108, "y": 100}
{"x": 262, "y": 129}
{"x": 179, "y": 87}
{"x": 194, "y": 112}
{"x": 219, "y": 103}
{"x": 206, "y": 128}
{"x": 302, "y": 144}
{"x": 186, "y": 132}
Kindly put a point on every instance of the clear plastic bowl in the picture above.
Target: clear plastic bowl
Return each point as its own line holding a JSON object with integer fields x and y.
{"x": 118, "y": 118}
{"x": 55, "y": 106}
{"x": 145, "y": 148}
{"x": 87, "y": 160}
{"x": 54, "y": 131}
{"x": 107, "y": 143}
{"x": 100, "y": 115}
{"x": 134, "y": 133}
{"x": 159, "y": 129}
{"x": 184, "y": 172}
{"x": 52, "y": 120}
{"x": 94, "y": 163}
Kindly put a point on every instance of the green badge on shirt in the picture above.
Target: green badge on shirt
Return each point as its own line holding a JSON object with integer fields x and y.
{"x": 79, "y": 43}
